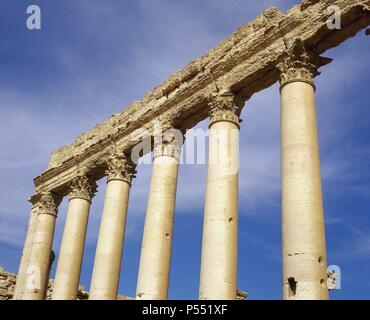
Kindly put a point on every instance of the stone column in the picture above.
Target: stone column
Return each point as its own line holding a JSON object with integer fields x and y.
{"x": 154, "y": 270}
{"x": 304, "y": 248}
{"x": 37, "y": 268}
{"x": 107, "y": 265}
{"x": 218, "y": 276}
{"x": 25, "y": 253}
{"x": 67, "y": 276}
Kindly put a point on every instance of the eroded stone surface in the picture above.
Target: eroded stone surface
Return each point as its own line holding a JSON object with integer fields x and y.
{"x": 244, "y": 63}
{"x": 8, "y": 280}
{"x": 7, "y": 284}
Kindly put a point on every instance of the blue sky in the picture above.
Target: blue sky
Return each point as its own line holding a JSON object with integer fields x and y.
{"x": 92, "y": 58}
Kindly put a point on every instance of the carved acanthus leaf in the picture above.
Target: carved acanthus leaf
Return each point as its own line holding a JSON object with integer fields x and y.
{"x": 169, "y": 144}
{"x": 300, "y": 65}
{"x": 83, "y": 187}
{"x": 120, "y": 167}
{"x": 48, "y": 204}
{"x": 225, "y": 107}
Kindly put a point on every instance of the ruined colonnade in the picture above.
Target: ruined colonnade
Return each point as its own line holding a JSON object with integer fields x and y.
{"x": 304, "y": 253}
{"x": 215, "y": 87}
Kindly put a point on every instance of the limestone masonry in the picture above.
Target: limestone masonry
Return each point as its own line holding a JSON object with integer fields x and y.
{"x": 276, "y": 46}
{"x": 244, "y": 63}
{"x": 8, "y": 280}
{"x": 7, "y": 286}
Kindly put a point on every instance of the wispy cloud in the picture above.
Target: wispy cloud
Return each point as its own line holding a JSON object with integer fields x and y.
{"x": 101, "y": 56}
{"x": 269, "y": 249}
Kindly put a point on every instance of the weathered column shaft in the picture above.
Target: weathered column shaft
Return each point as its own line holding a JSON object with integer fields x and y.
{"x": 304, "y": 247}
{"x": 23, "y": 265}
{"x": 68, "y": 271}
{"x": 154, "y": 270}
{"x": 218, "y": 277}
{"x": 36, "y": 276}
{"x": 107, "y": 264}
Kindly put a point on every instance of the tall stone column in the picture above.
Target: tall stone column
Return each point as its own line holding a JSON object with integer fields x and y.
{"x": 37, "y": 268}
{"x": 154, "y": 270}
{"x": 67, "y": 276}
{"x": 25, "y": 253}
{"x": 304, "y": 248}
{"x": 107, "y": 265}
{"x": 218, "y": 276}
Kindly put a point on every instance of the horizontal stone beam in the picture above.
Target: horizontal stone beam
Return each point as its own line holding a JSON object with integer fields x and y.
{"x": 244, "y": 63}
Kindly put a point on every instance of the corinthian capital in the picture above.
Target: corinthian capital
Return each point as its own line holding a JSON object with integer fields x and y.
{"x": 300, "y": 65}
{"x": 48, "y": 203}
{"x": 120, "y": 167}
{"x": 169, "y": 144}
{"x": 82, "y": 187}
{"x": 225, "y": 107}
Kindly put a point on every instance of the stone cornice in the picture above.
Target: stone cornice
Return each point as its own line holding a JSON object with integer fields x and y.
{"x": 82, "y": 187}
{"x": 244, "y": 63}
{"x": 120, "y": 167}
